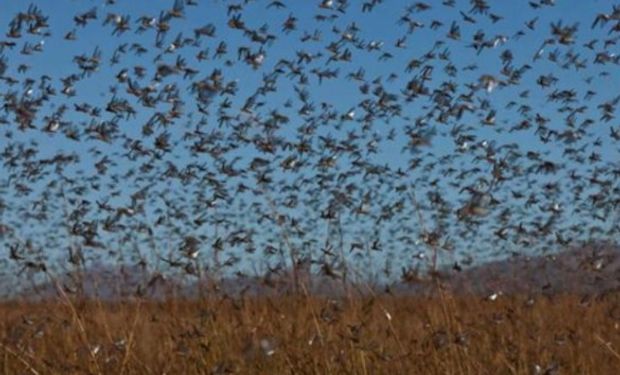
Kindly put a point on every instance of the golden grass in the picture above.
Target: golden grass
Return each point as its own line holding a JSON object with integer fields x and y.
{"x": 313, "y": 335}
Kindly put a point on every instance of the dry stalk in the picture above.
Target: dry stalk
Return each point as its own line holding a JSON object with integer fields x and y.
{"x": 78, "y": 320}
{"x": 20, "y": 359}
{"x": 131, "y": 338}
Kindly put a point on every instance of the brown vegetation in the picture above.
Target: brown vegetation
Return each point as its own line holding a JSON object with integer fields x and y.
{"x": 447, "y": 334}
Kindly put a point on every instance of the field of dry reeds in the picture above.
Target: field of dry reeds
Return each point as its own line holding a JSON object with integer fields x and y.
{"x": 446, "y": 334}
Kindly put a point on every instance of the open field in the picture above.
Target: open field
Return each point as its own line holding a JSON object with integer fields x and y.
{"x": 566, "y": 334}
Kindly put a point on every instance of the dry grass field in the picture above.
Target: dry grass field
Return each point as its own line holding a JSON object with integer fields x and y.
{"x": 563, "y": 334}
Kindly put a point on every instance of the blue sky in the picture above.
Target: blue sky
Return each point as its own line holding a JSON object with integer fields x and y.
{"x": 380, "y": 27}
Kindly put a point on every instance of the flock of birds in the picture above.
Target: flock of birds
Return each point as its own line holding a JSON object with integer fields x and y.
{"x": 221, "y": 137}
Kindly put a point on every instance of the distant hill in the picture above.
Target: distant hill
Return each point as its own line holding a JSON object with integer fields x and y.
{"x": 586, "y": 270}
